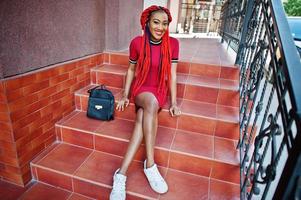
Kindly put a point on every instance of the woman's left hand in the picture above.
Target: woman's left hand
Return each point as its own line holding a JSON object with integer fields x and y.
{"x": 174, "y": 111}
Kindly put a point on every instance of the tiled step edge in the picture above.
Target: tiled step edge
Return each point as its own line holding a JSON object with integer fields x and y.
{"x": 98, "y": 185}
{"x": 225, "y": 126}
{"x": 77, "y": 184}
{"x": 210, "y": 70}
{"x": 198, "y": 88}
{"x": 165, "y": 156}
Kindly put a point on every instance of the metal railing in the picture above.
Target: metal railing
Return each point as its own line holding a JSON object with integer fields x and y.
{"x": 231, "y": 23}
{"x": 270, "y": 98}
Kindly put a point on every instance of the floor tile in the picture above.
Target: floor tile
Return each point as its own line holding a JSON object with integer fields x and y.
{"x": 199, "y": 108}
{"x": 120, "y": 59}
{"x": 137, "y": 182}
{"x": 78, "y": 138}
{"x": 231, "y": 73}
{"x": 45, "y": 192}
{"x": 45, "y": 152}
{"x": 116, "y": 69}
{"x": 65, "y": 158}
{"x": 225, "y": 172}
{"x": 182, "y": 78}
{"x": 228, "y": 98}
{"x": 201, "y": 93}
{"x": 75, "y": 196}
{"x": 227, "y": 130}
{"x": 227, "y": 113}
{"x": 67, "y": 117}
{"x": 168, "y": 103}
{"x": 81, "y": 121}
{"x": 185, "y": 186}
{"x": 166, "y": 120}
{"x": 197, "y": 124}
{"x": 99, "y": 167}
{"x": 110, "y": 79}
{"x": 164, "y": 137}
{"x": 191, "y": 164}
{"x": 183, "y": 67}
{"x": 222, "y": 190}
{"x": 225, "y": 150}
{"x": 128, "y": 113}
{"x": 193, "y": 143}
{"x": 180, "y": 90}
{"x": 205, "y": 70}
{"x": 54, "y": 178}
{"x": 111, "y": 145}
{"x": 9, "y": 191}
{"x": 203, "y": 81}
{"x": 229, "y": 84}
{"x": 90, "y": 189}
{"x": 117, "y": 128}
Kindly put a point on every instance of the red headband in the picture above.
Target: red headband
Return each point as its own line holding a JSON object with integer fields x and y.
{"x": 148, "y": 11}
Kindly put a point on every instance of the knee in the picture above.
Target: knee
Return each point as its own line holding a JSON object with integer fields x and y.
{"x": 152, "y": 107}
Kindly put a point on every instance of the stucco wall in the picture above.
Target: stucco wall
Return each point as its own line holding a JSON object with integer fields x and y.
{"x": 35, "y": 34}
{"x": 122, "y": 23}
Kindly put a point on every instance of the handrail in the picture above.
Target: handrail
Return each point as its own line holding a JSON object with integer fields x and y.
{"x": 270, "y": 98}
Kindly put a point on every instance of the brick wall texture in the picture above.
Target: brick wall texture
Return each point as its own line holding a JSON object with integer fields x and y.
{"x": 30, "y": 105}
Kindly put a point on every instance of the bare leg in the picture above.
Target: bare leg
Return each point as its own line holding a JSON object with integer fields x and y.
{"x": 150, "y": 106}
{"x": 134, "y": 143}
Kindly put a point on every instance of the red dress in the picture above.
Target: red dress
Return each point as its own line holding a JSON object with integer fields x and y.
{"x": 152, "y": 81}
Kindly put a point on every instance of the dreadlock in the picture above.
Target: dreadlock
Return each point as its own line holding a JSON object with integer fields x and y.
{"x": 144, "y": 60}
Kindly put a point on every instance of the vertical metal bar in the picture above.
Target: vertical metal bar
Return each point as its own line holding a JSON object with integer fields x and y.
{"x": 246, "y": 20}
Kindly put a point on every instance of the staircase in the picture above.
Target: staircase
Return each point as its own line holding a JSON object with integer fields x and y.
{"x": 196, "y": 152}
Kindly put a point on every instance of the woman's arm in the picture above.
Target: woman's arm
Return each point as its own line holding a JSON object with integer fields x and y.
{"x": 174, "y": 109}
{"x": 173, "y": 84}
{"x": 124, "y": 101}
{"x": 129, "y": 78}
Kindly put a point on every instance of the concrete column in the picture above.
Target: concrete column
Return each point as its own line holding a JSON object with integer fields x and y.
{"x": 174, "y": 10}
{"x": 210, "y": 16}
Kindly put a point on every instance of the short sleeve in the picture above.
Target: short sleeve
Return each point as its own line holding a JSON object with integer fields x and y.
{"x": 175, "y": 50}
{"x": 134, "y": 54}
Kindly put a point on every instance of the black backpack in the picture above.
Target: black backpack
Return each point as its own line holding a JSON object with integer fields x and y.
{"x": 101, "y": 104}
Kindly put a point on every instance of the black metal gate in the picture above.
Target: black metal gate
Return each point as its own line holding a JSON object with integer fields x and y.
{"x": 270, "y": 98}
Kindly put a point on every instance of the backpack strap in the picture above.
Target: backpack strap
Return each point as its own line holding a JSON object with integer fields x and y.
{"x": 102, "y": 86}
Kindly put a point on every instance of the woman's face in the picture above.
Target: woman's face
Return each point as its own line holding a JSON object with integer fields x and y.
{"x": 158, "y": 24}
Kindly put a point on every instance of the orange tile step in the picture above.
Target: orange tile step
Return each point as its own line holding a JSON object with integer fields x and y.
{"x": 191, "y": 152}
{"x": 211, "y": 119}
{"x": 192, "y": 68}
{"x": 190, "y": 87}
{"x": 45, "y": 191}
{"x": 87, "y": 172}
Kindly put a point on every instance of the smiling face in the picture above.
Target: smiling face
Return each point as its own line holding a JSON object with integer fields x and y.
{"x": 158, "y": 24}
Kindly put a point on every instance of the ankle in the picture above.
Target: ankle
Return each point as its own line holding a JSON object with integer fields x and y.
{"x": 122, "y": 171}
{"x": 149, "y": 163}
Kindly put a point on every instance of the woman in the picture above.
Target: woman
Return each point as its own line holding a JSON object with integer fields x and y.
{"x": 151, "y": 74}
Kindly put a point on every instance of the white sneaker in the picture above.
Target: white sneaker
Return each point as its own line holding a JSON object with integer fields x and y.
{"x": 155, "y": 179}
{"x": 118, "y": 190}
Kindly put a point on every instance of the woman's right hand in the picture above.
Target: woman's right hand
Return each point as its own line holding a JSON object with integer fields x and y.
{"x": 122, "y": 103}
